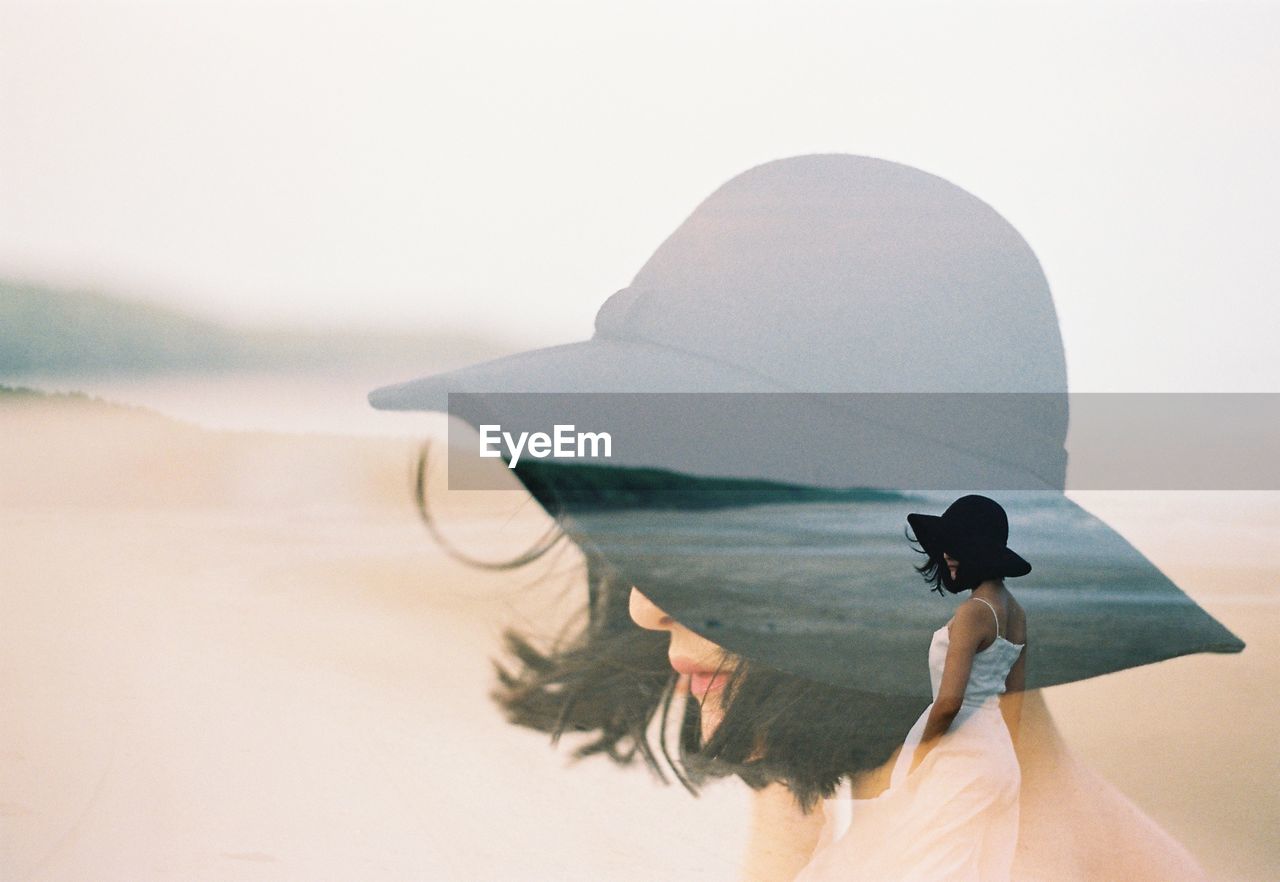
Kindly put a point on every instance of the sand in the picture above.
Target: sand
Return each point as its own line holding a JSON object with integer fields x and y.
{"x": 239, "y": 655}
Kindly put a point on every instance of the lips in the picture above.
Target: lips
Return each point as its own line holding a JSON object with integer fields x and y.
{"x": 702, "y": 684}
{"x": 702, "y": 679}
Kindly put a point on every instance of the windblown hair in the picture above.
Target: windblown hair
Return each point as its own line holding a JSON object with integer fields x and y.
{"x": 969, "y": 573}
{"x": 609, "y": 679}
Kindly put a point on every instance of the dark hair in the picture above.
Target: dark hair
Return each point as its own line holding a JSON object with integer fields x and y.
{"x": 969, "y": 573}
{"x": 608, "y": 680}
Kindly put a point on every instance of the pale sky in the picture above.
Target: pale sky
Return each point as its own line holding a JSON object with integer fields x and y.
{"x": 504, "y": 167}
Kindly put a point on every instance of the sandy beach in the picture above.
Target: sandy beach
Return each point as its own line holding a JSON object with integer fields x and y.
{"x": 240, "y": 656}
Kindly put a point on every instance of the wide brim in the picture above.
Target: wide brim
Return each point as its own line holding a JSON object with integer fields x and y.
{"x": 774, "y": 583}
{"x": 929, "y": 533}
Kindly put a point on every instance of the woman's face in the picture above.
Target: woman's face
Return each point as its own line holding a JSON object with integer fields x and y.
{"x": 951, "y": 563}
{"x": 700, "y": 662}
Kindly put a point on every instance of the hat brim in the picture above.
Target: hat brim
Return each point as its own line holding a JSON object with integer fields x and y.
{"x": 858, "y": 622}
{"x": 928, "y": 530}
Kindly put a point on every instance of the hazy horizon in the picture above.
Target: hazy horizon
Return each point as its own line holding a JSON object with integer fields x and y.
{"x": 386, "y": 165}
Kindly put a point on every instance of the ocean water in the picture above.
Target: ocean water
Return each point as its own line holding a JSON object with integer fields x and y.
{"x": 829, "y": 588}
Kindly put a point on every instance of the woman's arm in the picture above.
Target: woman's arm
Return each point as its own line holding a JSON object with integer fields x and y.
{"x": 970, "y": 626}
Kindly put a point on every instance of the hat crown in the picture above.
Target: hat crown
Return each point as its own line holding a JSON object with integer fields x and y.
{"x": 976, "y": 523}
{"x": 841, "y": 273}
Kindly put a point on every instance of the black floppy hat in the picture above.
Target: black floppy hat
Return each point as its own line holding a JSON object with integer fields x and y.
{"x": 765, "y": 381}
{"x": 973, "y": 528}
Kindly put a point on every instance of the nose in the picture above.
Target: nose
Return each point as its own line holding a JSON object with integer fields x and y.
{"x": 647, "y": 614}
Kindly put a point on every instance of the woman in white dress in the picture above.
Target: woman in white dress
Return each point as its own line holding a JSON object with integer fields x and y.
{"x": 973, "y": 803}
{"x": 951, "y": 809}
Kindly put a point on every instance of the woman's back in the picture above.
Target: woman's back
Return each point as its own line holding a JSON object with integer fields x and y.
{"x": 991, "y": 666}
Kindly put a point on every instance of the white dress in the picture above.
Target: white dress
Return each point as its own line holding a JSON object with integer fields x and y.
{"x": 955, "y": 818}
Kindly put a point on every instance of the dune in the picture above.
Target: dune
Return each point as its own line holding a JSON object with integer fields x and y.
{"x": 240, "y": 655}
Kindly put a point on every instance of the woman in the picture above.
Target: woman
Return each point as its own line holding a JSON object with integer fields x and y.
{"x": 821, "y": 274}
{"x": 799, "y": 743}
{"x": 951, "y": 810}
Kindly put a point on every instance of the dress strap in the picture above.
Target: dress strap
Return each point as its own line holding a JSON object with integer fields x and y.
{"x": 993, "y": 612}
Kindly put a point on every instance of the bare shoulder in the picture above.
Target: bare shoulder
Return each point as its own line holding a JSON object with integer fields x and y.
{"x": 973, "y": 621}
{"x": 1017, "y": 620}
{"x": 972, "y": 613}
